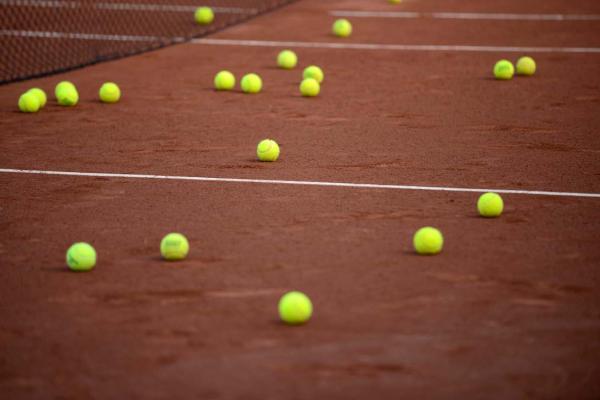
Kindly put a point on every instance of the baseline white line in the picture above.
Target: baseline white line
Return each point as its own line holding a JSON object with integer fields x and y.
{"x": 298, "y": 183}
{"x": 123, "y": 6}
{"x": 398, "y": 47}
{"x": 471, "y": 16}
{"x": 88, "y": 36}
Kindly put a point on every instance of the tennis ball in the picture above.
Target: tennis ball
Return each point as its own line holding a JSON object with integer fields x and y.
{"x": 504, "y": 70}
{"x": 29, "y": 103}
{"x": 287, "y": 59}
{"x": 394, "y": 1}
{"x": 204, "y": 15}
{"x": 313, "y": 72}
{"x": 61, "y": 86}
{"x": 66, "y": 94}
{"x": 68, "y": 97}
{"x": 428, "y": 240}
{"x": 310, "y": 87}
{"x": 109, "y": 92}
{"x": 251, "y": 83}
{"x": 526, "y": 66}
{"x": 295, "y": 308}
{"x": 267, "y": 150}
{"x": 174, "y": 246}
{"x": 40, "y": 94}
{"x": 342, "y": 28}
{"x": 81, "y": 257}
{"x": 224, "y": 80}
{"x": 490, "y": 205}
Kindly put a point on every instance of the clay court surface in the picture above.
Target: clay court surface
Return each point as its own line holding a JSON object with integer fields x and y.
{"x": 509, "y": 310}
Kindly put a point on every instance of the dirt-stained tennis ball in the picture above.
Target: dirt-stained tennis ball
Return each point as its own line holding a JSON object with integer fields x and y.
{"x": 310, "y": 87}
{"x": 174, "y": 246}
{"x": 40, "y": 94}
{"x": 428, "y": 240}
{"x": 81, "y": 257}
{"x": 295, "y": 308}
{"x": 504, "y": 70}
{"x": 66, "y": 94}
{"x": 314, "y": 72}
{"x": 29, "y": 103}
{"x": 109, "y": 92}
{"x": 342, "y": 28}
{"x": 251, "y": 83}
{"x": 287, "y": 59}
{"x": 394, "y": 1}
{"x": 526, "y": 66}
{"x": 204, "y": 15}
{"x": 490, "y": 205}
{"x": 224, "y": 80}
{"x": 267, "y": 150}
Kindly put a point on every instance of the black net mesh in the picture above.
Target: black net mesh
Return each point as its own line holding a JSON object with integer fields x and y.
{"x": 41, "y": 37}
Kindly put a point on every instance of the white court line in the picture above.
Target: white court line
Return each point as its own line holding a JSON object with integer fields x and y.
{"x": 398, "y": 47}
{"x": 472, "y": 16}
{"x": 123, "y": 6}
{"x": 89, "y": 36}
{"x": 298, "y": 183}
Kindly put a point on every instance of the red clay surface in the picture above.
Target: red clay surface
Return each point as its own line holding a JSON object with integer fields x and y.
{"x": 510, "y": 309}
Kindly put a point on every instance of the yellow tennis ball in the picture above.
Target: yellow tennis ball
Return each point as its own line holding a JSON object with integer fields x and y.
{"x": 504, "y": 70}
{"x": 314, "y": 72}
{"x": 29, "y": 103}
{"x": 251, "y": 83}
{"x": 295, "y": 308}
{"x": 490, "y": 205}
{"x": 109, "y": 92}
{"x": 68, "y": 97}
{"x": 428, "y": 240}
{"x": 204, "y": 15}
{"x": 287, "y": 59}
{"x": 342, "y": 28}
{"x": 40, "y": 94}
{"x": 81, "y": 257}
{"x": 174, "y": 246}
{"x": 224, "y": 80}
{"x": 61, "y": 86}
{"x": 394, "y": 1}
{"x": 526, "y": 66}
{"x": 310, "y": 87}
{"x": 66, "y": 94}
{"x": 267, "y": 150}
